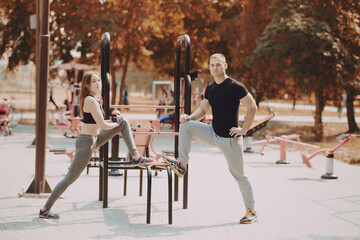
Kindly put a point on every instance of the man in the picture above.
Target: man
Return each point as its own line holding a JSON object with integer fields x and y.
{"x": 223, "y": 97}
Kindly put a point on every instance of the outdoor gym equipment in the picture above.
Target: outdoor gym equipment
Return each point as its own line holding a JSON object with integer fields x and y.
{"x": 4, "y": 120}
{"x": 105, "y": 164}
{"x": 10, "y": 117}
{"x": 256, "y": 126}
{"x": 329, "y": 174}
{"x": 283, "y": 143}
{"x": 71, "y": 128}
{"x": 70, "y": 125}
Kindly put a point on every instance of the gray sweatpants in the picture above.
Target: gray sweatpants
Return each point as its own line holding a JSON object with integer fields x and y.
{"x": 85, "y": 145}
{"x": 232, "y": 148}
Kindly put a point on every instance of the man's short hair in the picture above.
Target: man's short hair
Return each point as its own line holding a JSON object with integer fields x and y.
{"x": 219, "y": 56}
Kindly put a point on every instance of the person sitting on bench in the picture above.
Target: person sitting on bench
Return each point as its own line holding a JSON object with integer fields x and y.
{"x": 170, "y": 112}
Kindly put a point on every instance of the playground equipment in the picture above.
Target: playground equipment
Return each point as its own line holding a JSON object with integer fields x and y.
{"x": 70, "y": 128}
{"x": 4, "y": 120}
{"x": 69, "y": 122}
{"x": 256, "y": 126}
{"x": 10, "y": 117}
{"x": 283, "y": 143}
{"x": 329, "y": 174}
{"x": 105, "y": 164}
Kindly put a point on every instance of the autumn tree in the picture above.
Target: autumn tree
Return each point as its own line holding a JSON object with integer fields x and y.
{"x": 131, "y": 19}
{"x": 346, "y": 29}
{"x": 248, "y": 27}
{"x": 302, "y": 45}
{"x": 16, "y": 38}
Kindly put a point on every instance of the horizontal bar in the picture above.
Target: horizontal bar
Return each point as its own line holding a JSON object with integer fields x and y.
{"x": 144, "y": 106}
{"x": 296, "y": 143}
{"x": 129, "y": 167}
{"x": 155, "y": 133}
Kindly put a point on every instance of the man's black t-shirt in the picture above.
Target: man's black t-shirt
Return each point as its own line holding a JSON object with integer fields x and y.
{"x": 224, "y": 100}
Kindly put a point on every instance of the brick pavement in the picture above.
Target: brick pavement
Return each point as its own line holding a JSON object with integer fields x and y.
{"x": 291, "y": 200}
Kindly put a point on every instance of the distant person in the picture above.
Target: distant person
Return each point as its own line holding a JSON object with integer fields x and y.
{"x": 94, "y": 132}
{"x": 126, "y": 100}
{"x": 51, "y": 92}
{"x": 343, "y": 98}
{"x": 62, "y": 119}
{"x": 162, "y": 101}
{"x": 223, "y": 97}
{"x": 170, "y": 112}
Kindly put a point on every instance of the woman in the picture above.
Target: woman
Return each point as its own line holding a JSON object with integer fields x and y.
{"x": 94, "y": 132}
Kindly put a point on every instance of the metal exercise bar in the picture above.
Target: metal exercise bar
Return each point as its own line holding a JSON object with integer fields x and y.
{"x": 104, "y": 150}
{"x": 144, "y": 106}
{"x": 148, "y": 205}
{"x": 104, "y": 158}
{"x": 156, "y": 133}
{"x": 182, "y": 40}
{"x": 169, "y": 193}
{"x": 187, "y": 111}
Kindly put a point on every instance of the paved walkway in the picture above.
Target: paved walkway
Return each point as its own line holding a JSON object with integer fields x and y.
{"x": 291, "y": 200}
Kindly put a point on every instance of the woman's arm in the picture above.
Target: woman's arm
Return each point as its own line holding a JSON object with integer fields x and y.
{"x": 92, "y": 106}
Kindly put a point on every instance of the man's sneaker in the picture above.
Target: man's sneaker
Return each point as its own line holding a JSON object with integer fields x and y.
{"x": 47, "y": 214}
{"x": 250, "y": 217}
{"x": 175, "y": 166}
{"x": 141, "y": 161}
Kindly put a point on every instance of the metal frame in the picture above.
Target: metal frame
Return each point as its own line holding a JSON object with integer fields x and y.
{"x": 182, "y": 40}
{"x": 104, "y": 150}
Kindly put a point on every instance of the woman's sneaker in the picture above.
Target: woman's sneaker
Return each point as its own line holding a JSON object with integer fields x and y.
{"x": 176, "y": 166}
{"x": 250, "y": 217}
{"x": 141, "y": 161}
{"x": 47, "y": 214}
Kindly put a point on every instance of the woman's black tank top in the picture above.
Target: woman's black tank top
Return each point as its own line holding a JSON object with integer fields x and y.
{"x": 88, "y": 118}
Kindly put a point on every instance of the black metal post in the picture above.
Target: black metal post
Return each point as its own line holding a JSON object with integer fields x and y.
{"x": 187, "y": 110}
{"x": 148, "y": 205}
{"x": 184, "y": 39}
{"x": 169, "y": 193}
{"x": 105, "y": 76}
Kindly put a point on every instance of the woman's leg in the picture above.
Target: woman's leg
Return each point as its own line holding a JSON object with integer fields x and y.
{"x": 124, "y": 128}
{"x": 84, "y": 147}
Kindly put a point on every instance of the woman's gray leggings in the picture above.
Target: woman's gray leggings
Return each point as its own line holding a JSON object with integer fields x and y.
{"x": 85, "y": 145}
{"x": 232, "y": 148}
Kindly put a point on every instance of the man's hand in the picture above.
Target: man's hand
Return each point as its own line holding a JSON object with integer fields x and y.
{"x": 237, "y": 131}
{"x": 184, "y": 118}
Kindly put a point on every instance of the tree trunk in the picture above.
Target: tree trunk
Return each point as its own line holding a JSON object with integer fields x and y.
{"x": 113, "y": 85}
{"x": 123, "y": 77}
{"x": 350, "y": 93}
{"x": 319, "y": 107}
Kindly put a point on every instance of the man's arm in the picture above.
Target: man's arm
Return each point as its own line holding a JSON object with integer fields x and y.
{"x": 251, "y": 108}
{"x": 199, "y": 113}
